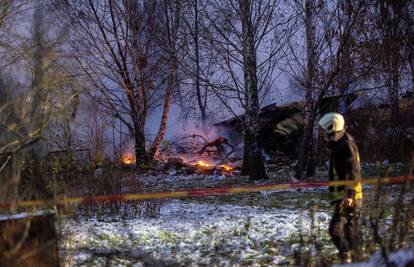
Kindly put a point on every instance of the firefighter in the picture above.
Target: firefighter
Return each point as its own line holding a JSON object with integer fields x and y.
{"x": 344, "y": 165}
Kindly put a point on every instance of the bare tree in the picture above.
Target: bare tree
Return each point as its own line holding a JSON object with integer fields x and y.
{"x": 198, "y": 60}
{"x": 390, "y": 30}
{"x": 307, "y": 145}
{"x": 118, "y": 48}
{"x": 171, "y": 20}
{"x": 326, "y": 70}
{"x": 26, "y": 109}
{"x": 252, "y": 161}
{"x": 237, "y": 31}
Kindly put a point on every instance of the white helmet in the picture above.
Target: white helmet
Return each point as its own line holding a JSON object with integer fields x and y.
{"x": 332, "y": 122}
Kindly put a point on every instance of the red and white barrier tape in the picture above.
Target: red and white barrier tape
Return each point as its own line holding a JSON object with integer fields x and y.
{"x": 200, "y": 192}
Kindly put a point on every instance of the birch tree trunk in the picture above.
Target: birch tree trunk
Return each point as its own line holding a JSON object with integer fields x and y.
{"x": 306, "y": 146}
{"x": 172, "y": 36}
{"x": 166, "y": 110}
{"x": 136, "y": 92}
{"x": 253, "y": 164}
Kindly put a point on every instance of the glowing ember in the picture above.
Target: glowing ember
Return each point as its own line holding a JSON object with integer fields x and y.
{"x": 128, "y": 158}
{"x": 203, "y": 164}
{"x": 226, "y": 167}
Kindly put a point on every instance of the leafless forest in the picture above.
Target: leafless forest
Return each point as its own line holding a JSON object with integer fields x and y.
{"x": 104, "y": 101}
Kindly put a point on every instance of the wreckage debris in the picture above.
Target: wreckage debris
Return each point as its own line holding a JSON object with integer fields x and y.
{"x": 217, "y": 144}
{"x": 200, "y": 167}
{"x": 184, "y": 156}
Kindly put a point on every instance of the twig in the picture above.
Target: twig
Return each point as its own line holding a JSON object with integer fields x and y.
{"x": 5, "y": 163}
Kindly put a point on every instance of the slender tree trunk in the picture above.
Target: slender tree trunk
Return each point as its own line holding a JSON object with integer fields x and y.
{"x": 172, "y": 71}
{"x": 68, "y": 138}
{"x": 306, "y": 145}
{"x": 345, "y": 75}
{"x": 68, "y": 122}
{"x": 312, "y": 147}
{"x": 166, "y": 110}
{"x": 306, "y": 157}
{"x": 253, "y": 164}
{"x": 391, "y": 46}
{"x": 201, "y": 105}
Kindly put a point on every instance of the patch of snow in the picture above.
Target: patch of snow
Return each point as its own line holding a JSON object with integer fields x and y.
{"x": 200, "y": 233}
{"x": 6, "y": 217}
{"x": 401, "y": 258}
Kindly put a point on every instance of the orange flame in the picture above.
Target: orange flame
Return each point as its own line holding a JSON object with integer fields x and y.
{"x": 203, "y": 164}
{"x": 226, "y": 167}
{"x": 128, "y": 158}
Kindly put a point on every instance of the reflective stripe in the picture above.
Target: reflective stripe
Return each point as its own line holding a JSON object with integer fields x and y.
{"x": 358, "y": 190}
{"x": 358, "y": 187}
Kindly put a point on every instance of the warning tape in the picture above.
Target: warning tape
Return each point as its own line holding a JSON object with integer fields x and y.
{"x": 200, "y": 192}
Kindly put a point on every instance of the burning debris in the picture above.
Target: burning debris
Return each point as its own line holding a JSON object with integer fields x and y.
{"x": 194, "y": 154}
{"x": 201, "y": 167}
{"x": 211, "y": 159}
{"x": 128, "y": 158}
{"x": 204, "y": 167}
{"x": 225, "y": 167}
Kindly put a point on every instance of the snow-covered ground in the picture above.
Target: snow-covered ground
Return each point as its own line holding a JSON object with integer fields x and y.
{"x": 257, "y": 229}
{"x": 198, "y": 234}
{"x": 401, "y": 258}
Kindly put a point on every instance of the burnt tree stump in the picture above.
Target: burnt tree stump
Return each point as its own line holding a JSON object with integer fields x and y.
{"x": 28, "y": 239}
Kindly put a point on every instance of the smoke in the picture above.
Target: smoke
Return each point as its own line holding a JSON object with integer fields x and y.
{"x": 180, "y": 126}
{"x": 186, "y": 135}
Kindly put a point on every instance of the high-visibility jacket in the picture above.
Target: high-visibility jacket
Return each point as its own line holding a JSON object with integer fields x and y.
{"x": 344, "y": 165}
